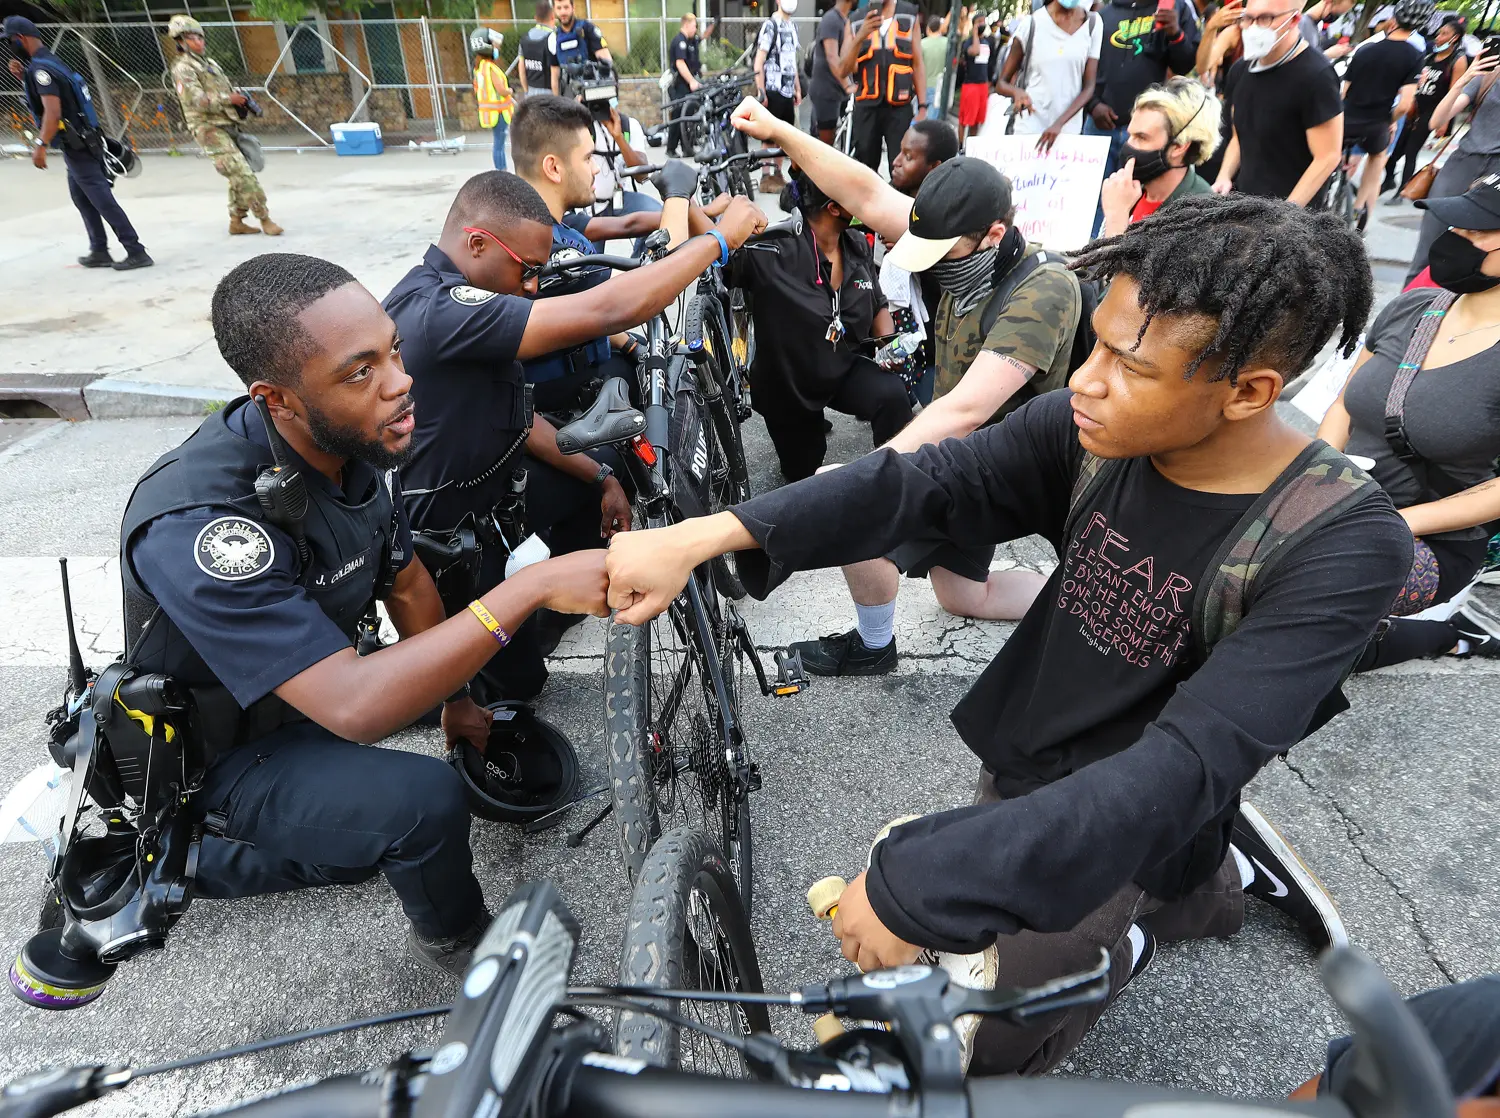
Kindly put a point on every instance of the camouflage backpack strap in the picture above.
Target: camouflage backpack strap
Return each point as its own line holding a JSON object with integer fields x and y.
{"x": 1091, "y": 472}
{"x": 1315, "y": 489}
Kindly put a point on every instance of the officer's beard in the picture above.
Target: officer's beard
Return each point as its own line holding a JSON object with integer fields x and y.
{"x": 349, "y": 442}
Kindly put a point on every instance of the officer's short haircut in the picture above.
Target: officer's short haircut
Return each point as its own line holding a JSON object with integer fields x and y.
{"x": 942, "y": 140}
{"x": 934, "y": 25}
{"x": 544, "y": 125}
{"x": 687, "y": 16}
{"x": 495, "y": 199}
{"x": 255, "y": 309}
{"x": 543, "y": 10}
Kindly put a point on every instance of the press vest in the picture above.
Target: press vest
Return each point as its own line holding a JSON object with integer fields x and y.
{"x": 580, "y": 360}
{"x": 491, "y": 93}
{"x": 534, "y": 51}
{"x": 216, "y": 469}
{"x": 885, "y": 63}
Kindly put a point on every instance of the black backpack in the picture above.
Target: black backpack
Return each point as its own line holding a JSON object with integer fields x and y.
{"x": 1088, "y": 293}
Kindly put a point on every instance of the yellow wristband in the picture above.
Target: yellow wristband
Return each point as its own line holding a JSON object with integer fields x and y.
{"x": 487, "y": 619}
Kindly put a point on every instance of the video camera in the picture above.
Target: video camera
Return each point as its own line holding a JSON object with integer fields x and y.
{"x": 593, "y": 83}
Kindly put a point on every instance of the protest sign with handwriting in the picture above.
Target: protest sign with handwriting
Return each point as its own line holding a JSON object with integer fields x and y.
{"x": 1056, "y": 194}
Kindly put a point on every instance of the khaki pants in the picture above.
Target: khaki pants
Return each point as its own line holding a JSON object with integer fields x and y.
{"x": 1216, "y": 908}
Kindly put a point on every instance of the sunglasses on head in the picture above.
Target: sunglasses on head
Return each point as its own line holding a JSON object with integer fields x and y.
{"x": 529, "y": 272}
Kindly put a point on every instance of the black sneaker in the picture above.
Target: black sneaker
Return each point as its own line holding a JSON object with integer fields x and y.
{"x": 1145, "y": 957}
{"x": 451, "y": 956}
{"x": 1284, "y": 881}
{"x": 1361, "y": 219}
{"x": 133, "y": 261}
{"x": 1479, "y": 631}
{"x": 845, "y": 654}
{"x": 97, "y": 259}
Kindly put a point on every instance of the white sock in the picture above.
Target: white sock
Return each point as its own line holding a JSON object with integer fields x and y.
{"x": 1462, "y": 648}
{"x": 877, "y": 624}
{"x": 1247, "y": 871}
{"x": 1137, "y": 940}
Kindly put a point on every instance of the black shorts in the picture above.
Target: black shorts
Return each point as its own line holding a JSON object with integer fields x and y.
{"x": 1369, "y": 136}
{"x": 970, "y": 561}
{"x": 782, "y": 108}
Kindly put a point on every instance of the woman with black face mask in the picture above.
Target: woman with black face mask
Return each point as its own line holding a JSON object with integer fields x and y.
{"x": 816, "y": 301}
{"x": 1421, "y": 412}
{"x": 1174, "y": 128}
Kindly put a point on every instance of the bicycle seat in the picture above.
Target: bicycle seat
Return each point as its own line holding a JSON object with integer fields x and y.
{"x": 610, "y": 419}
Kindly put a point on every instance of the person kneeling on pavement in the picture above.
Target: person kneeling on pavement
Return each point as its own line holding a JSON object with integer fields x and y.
{"x": 468, "y": 317}
{"x": 1004, "y": 326}
{"x": 1220, "y": 572}
{"x": 258, "y": 613}
{"x": 816, "y": 301}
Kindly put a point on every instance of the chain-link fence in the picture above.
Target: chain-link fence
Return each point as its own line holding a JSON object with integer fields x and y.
{"x": 412, "y": 76}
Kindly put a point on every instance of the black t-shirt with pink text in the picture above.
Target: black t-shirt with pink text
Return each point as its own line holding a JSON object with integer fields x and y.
{"x": 1122, "y": 598}
{"x": 1120, "y": 750}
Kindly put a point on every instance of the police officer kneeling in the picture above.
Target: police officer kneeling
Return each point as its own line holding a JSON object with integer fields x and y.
{"x": 256, "y": 610}
{"x": 467, "y": 318}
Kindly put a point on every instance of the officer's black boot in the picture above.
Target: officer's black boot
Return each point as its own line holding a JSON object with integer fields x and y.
{"x": 136, "y": 259}
{"x": 451, "y": 956}
{"x": 97, "y": 258}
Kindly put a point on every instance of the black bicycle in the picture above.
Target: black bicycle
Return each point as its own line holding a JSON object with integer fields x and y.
{"x": 673, "y": 686}
{"x": 504, "y": 1054}
{"x": 703, "y": 116}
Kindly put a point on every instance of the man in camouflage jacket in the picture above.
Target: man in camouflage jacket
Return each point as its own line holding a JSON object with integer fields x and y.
{"x": 208, "y": 104}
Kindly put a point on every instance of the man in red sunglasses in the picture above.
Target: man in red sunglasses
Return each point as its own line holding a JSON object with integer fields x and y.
{"x": 467, "y": 318}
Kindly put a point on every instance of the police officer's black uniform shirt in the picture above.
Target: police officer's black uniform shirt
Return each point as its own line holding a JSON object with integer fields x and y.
{"x": 686, "y": 50}
{"x": 459, "y": 346}
{"x": 46, "y": 75}
{"x": 791, "y": 281}
{"x": 241, "y": 600}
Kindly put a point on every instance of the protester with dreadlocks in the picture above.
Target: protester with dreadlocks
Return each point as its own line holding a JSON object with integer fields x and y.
{"x": 1219, "y": 574}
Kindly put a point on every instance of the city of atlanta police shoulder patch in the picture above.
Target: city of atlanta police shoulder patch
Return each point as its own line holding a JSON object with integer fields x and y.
{"x": 233, "y": 549}
{"x": 43, "y": 78}
{"x": 470, "y": 296}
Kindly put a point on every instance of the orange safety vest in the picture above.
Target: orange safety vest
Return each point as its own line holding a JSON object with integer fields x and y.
{"x": 885, "y": 62}
{"x": 492, "y": 93}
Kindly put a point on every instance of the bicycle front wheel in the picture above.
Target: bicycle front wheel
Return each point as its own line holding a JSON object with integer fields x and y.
{"x": 668, "y": 762}
{"x": 687, "y": 930}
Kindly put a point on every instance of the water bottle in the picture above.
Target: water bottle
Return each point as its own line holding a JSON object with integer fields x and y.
{"x": 900, "y": 350}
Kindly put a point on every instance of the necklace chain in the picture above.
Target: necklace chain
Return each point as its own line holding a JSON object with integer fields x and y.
{"x": 1465, "y": 333}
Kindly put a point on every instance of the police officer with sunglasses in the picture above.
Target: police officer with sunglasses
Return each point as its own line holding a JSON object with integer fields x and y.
{"x": 468, "y": 316}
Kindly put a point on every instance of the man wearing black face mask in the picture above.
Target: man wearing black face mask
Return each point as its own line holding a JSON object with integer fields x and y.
{"x": 1173, "y": 128}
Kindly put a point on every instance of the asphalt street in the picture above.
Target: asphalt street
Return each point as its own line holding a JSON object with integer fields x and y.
{"x": 1393, "y": 804}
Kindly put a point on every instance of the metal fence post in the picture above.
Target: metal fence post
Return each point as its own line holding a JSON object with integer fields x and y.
{"x": 434, "y": 93}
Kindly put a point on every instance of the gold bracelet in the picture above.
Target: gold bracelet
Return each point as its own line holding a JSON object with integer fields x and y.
{"x": 487, "y": 619}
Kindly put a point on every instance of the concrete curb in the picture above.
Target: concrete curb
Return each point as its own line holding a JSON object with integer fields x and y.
{"x": 134, "y": 399}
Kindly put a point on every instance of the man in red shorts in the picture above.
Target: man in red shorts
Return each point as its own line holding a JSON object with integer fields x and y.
{"x": 974, "y": 79}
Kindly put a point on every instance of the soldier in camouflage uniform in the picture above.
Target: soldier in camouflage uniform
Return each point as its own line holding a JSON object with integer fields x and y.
{"x": 208, "y": 104}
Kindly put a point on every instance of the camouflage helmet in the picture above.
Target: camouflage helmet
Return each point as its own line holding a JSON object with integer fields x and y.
{"x": 184, "y": 25}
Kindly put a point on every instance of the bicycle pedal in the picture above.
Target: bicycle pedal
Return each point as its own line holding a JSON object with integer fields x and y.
{"x": 791, "y": 677}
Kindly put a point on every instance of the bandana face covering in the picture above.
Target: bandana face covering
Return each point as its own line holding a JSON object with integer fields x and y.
{"x": 968, "y": 279}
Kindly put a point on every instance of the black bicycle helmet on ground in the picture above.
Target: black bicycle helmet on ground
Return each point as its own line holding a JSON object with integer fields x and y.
{"x": 1414, "y": 15}
{"x": 528, "y": 767}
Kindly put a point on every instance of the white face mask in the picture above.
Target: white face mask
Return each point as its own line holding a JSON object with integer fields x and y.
{"x": 1260, "y": 41}
{"x": 789, "y": 6}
